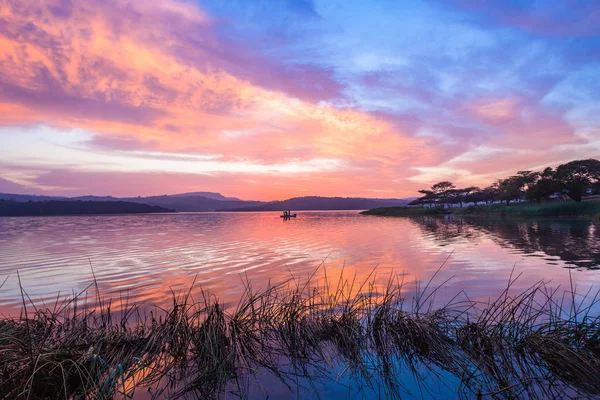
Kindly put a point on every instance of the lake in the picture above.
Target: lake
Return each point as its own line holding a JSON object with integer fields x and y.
{"x": 145, "y": 258}
{"x": 148, "y": 256}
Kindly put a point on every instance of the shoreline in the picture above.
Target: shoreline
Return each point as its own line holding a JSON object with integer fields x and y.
{"x": 587, "y": 210}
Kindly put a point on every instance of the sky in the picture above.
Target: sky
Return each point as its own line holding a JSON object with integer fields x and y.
{"x": 271, "y": 99}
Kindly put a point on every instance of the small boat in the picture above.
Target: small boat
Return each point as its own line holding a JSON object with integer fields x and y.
{"x": 288, "y": 216}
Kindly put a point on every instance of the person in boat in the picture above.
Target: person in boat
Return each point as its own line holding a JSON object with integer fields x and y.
{"x": 284, "y": 213}
{"x": 289, "y": 213}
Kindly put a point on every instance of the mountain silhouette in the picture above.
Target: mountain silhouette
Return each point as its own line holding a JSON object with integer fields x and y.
{"x": 210, "y": 201}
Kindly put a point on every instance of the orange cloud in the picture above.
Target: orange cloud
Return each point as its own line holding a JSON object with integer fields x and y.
{"x": 152, "y": 81}
{"x": 115, "y": 69}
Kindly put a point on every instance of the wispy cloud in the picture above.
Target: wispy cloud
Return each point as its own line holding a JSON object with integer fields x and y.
{"x": 297, "y": 92}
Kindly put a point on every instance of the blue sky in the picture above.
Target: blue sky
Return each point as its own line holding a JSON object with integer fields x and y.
{"x": 343, "y": 97}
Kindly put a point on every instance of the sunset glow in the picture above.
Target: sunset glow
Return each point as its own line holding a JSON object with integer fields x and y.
{"x": 270, "y": 100}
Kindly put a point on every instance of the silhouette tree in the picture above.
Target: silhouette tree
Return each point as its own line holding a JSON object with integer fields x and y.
{"x": 443, "y": 191}
{"x": 459, "y": 196}
{"x": 526, "y": 179}
{"x": 574, "y": 178}
{"x": 428, "y": 197}
{"x": 577, "y": 176}
{"x": 544, "y": 186}
{"x": 439, "y": 193}
{"x": 442, "y": 187}
{"x": 509, "y": 189}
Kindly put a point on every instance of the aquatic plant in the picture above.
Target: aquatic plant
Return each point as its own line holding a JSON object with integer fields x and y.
{"x": 532, "y": 344}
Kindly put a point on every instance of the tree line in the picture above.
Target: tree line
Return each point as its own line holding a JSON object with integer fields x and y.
{"x": 11, "y": 208}
{"x": 572, "y": 180}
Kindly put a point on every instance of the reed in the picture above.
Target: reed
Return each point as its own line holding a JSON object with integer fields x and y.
{"x": 534, "y": 344}
{"x": 557, "y": 209}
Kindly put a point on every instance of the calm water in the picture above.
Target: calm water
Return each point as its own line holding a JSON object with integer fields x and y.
{"x": 147, "y": 256}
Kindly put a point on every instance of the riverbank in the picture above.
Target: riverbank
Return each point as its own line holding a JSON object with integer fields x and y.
{"x": 515, "y": 344}
{"x": 589, "y": 209}
{"x": 561, "y": 209}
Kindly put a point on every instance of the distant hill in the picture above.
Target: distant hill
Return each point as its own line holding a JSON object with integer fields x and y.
{"x": 324, "y": 203}
{"x": 12, "y": 208}
{"x": 185, "y": 202}
{"x": 192, "y": 203}
{"x": 208, "y": 195}
{"x": 92, "y": 198}
{"x": 28, "y": 197}
{"x": 209, "y": 201}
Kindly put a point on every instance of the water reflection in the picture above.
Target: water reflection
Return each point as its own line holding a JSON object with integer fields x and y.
{"x": 575, "y": 242}
{"x": 148, "y": 256}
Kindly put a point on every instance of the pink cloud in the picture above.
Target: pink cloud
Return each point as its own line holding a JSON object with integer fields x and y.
{"x": 158, "y": 78}
{"x": 123, "y": 143}
{"x": 515, "y": 120}
{"x": 70, "y": 182}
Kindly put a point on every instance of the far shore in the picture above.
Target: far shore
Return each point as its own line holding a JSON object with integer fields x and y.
{"x": 590, "y": 209}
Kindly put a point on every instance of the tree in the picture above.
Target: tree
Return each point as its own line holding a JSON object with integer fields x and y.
{"x": 577, "y": 176}
{"x": 573, "y": 179}
{"x": 439, "y": 193}
{"x": 443, "y": 191}
{"x": 514, "y": 187}
{"x": 526, "y": 179}
{"x": 442, "y": 187}
{"x": 543, "y": 187}
{"x": 428, "y": 198}
{"x": 486, "y": 195}
{"x": 459, "y": 196}
{"x": 509, "y": 189}
{"x": 548, "y": 173}
{"x": 489, "y": 194}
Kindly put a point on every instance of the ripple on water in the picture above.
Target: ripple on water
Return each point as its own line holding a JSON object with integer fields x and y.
{"x": 149, "y": 255}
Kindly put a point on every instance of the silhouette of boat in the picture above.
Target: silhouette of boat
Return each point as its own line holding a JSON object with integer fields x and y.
{"x": 288, "y": 216}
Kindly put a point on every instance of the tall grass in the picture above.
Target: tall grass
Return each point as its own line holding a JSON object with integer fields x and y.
{"x": 533, "y": 344}
{"x": 558, "y": 209}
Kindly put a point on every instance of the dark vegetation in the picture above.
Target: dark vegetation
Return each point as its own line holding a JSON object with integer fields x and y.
{"x": 536, "y": 344}
{"x": 558, "y": 209}
{"x": 11, "y": 208}
{"x": 571, "y": 180}
{"x": 526, "y": 194}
